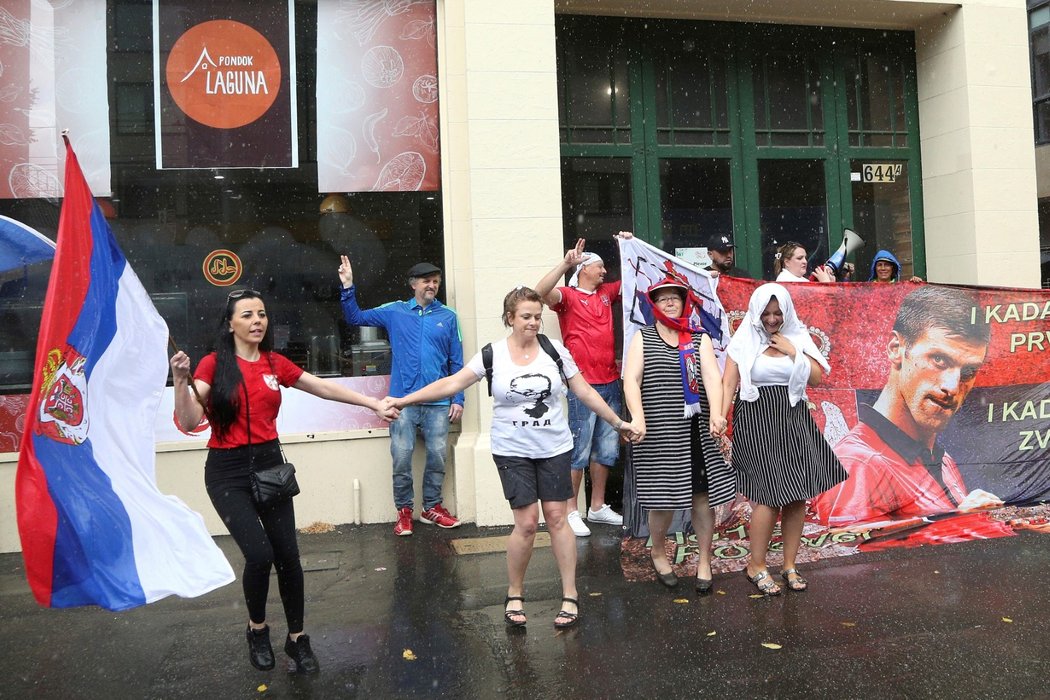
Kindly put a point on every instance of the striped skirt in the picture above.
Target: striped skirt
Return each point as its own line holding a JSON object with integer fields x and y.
{"x": 778, "y": 452}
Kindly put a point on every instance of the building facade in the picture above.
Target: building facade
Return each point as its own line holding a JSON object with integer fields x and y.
{"x": 908, "y": 121}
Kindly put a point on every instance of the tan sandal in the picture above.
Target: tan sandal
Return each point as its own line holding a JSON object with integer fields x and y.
{"x": 797, "y": 584}
{"x": 764, "y": 583}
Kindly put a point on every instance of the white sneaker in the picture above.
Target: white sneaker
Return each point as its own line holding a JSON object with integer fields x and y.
{"x": 605, "y": 514}
{"x": 576, "y": 523}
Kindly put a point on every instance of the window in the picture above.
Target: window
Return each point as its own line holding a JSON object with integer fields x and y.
{"x": 169, "y": 221}
{"x": 1039, "y": 40}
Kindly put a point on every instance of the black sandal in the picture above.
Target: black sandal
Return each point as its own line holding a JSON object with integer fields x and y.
{"x": 509, "y": 615}
{"x": 572, "y": 617}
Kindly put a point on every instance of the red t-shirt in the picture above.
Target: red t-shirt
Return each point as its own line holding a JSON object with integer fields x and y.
{"x": 587, "y": 330}
{"x": 264, "y": 382}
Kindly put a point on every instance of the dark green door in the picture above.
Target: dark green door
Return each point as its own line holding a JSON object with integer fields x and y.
{"x": 681, "y": 130}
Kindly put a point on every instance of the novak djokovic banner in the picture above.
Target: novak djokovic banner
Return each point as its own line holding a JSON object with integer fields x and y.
{"x": 937, "y": 405}
{"x": 224, "y": 76}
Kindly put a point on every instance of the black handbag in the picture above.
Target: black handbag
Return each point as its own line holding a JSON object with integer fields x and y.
{"x": 271, "y": 485}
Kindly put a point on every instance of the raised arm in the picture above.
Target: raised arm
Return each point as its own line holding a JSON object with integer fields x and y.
{"x": 352, "y": 312}
{"x": 331, "y": 391}
{"x": 188, "y": 411}
{"x": 547, "y": 287}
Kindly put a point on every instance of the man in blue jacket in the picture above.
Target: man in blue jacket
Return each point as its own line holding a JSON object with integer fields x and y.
{"x": 426, "y": 346}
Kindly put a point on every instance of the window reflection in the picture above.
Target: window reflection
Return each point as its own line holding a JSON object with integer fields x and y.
{"x": 167, "y": 222}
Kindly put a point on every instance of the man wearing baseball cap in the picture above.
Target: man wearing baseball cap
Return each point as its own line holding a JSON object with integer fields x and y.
{"x": 426, "y": 345}
{"x": 722, "y": 251}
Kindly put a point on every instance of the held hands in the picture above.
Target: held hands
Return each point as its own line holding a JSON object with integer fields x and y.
{"x": 631, "y": 432}
{"x": 574, "y": 256}
{"x": 719, "y": 425}
{"x": 346, "y": 272}
{"x": 387, "y": 409}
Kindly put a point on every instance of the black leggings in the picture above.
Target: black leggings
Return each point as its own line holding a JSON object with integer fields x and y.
{"x": 266, "y": 536}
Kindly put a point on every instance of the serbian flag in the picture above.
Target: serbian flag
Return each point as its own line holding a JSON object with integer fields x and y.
{"x": 95, "y": 530}
{"x": 643, "y": 265}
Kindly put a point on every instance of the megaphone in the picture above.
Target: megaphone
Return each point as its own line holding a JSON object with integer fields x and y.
{"x": 850, "y": 242}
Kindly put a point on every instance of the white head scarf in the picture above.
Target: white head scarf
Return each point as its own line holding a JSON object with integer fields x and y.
{"x": 588, "y": 259}
{"x": 751, "y": 340}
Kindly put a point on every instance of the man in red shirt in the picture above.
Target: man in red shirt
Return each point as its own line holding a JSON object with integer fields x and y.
{"x": 585, "y": 313}
{"x": 897, "y": 469}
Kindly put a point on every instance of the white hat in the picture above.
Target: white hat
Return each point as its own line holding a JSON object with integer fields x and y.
{"x": 588, "y": 259}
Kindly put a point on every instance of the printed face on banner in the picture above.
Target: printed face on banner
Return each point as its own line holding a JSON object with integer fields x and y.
{"x": 936, "y": 373}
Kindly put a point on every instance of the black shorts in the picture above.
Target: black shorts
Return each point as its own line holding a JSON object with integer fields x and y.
{"x": 527, "y": 480}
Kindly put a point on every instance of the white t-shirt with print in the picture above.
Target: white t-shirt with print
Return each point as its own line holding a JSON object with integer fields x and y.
{"x": 528, "y": 419}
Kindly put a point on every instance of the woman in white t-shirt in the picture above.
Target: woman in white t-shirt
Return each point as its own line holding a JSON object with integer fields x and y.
{"x": 531, "y": 442}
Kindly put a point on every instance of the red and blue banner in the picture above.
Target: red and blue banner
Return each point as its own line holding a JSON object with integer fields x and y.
{"x": 95, "y": 529}
{"x": 938, "y": 406}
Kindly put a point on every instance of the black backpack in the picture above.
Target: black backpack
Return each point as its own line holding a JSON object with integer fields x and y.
{"x": 545, "y": 343}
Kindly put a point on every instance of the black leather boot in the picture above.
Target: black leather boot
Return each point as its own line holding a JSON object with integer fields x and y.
{"x": 260, "y": 653}
{"x": 302, "y": 654}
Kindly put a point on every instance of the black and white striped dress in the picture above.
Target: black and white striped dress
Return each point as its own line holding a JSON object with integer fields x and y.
{"x": 779, "y": 453}
{"x": 668, "y": 462}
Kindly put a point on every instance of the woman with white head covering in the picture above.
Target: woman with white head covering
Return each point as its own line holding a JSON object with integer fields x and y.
{"x": 781, "y": 458}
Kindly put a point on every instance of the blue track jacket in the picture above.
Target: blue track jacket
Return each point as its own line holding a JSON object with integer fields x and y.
{"x": 426, "y": 343}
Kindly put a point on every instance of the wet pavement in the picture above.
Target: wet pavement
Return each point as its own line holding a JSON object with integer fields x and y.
{"x": 961, "y": 621}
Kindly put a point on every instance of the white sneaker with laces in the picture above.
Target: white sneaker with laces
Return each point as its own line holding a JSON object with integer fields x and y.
{"x": 605, "y": 514}
{"x": 576, "y": 523}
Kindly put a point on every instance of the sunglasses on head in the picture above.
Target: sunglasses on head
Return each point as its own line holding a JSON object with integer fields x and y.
{"x": 238, "y": 293}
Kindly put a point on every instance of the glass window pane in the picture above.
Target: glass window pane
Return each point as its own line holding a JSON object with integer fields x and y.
{"x": 788, "y": 97}
{"x": 1039, "y": 17}
{"x": 696, "y": 201}
{"x": 168, "y": 222}
{"x": 1041, "y": 61}
{"x": 596, "y": 202}
{"x": 882, "y": 217}
{"x": 594, "y": 93}
{"x": 1042, "y": 122}
{"x": 792, "y": 207}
